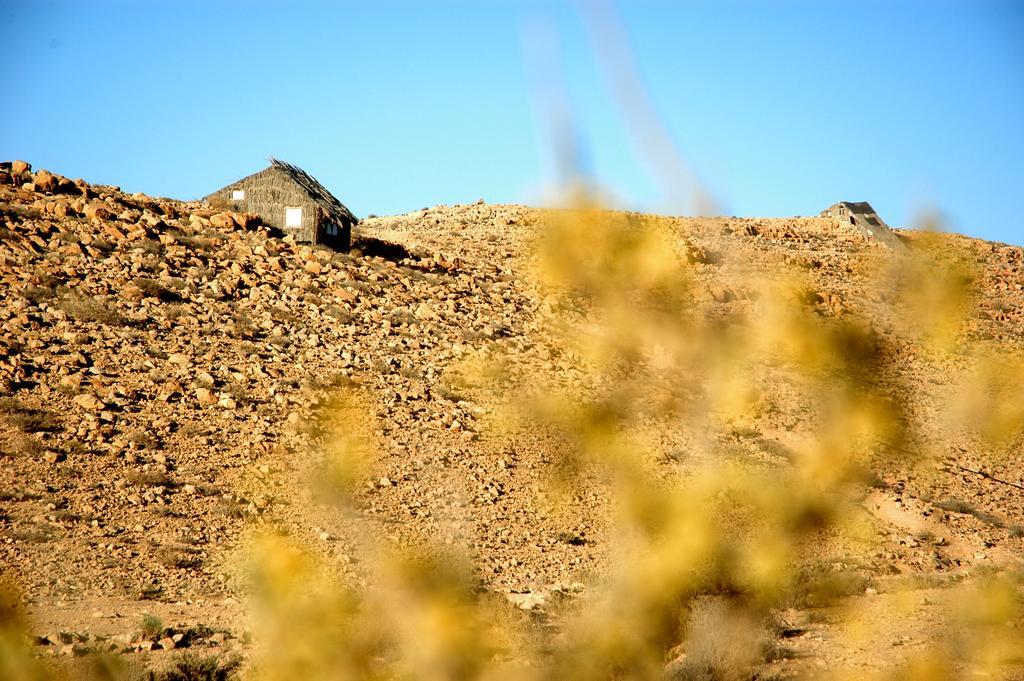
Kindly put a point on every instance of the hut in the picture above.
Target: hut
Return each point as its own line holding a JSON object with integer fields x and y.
{"x": 861, "y": 216}
{"x": 289, "y": 198}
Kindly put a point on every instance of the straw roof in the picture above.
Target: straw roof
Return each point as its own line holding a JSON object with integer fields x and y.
{"x": 858, "y": 207}
{"x": 316, "y": 191}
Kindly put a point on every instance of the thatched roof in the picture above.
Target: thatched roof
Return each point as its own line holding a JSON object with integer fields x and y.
{"x": 858, "y": 207}
{"x": 316, "y": 191}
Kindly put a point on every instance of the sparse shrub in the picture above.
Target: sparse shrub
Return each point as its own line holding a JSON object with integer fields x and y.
{"x": 283, "y": 315}
{"x": 151, "y": 246}
{"x": 240, "y": 393}
{"x": 723, "y": 643}
{"x": 151, "y": 626}
{"x": 35, "y": 534}
{"x": 24, "y": 444}
{"x": 143, "y": 439}
{"x": 20, "y": 211}
{"x": 85, "y": 308}
{"x": 231, "y": 508}
{"x": 175, "y": 312}
{"x": 191, "y": 667}
{"x": 146, "y": 477}
{"x": 242, "y": 326}
{"x": 956, "y": 506}
{"x": 178, "y": 557}
{"x": 37, "y": 294}
{"x": 103, "y": 245}
{"x": 280, "y": 341}
{"x": 154, "y": 289}
{"x": 338, "y": 313}
{"x": 28, "y": 419}
{"x": 819, "y": 586}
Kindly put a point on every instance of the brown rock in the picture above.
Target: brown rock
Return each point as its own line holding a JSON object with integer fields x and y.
{"x": 224, "y": 220}
{"x": 424, "y": 311}
{"x": 97, "y": 211}
{"x": 247, "y": 220}
{"x": 721, "y": 294}
{"x": 45, "y": 181}
{"x": 20, "y": 167}
{"x": 205, "y": 396}
{"x": 88, "y": 402}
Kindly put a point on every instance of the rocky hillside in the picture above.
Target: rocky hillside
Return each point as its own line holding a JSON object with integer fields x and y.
{"x": 169, "y": 375}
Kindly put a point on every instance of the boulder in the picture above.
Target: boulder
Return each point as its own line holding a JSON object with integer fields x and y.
{"x": 88, "y": 402}
{"x": 223, "y": 221}
{"x": 205, "y": 397}
{"x": 46, "y": 182}
{"x": 98, "y": 211}
{"x": 20, "y": 167}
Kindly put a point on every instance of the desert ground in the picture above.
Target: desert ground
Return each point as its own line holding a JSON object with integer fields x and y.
{"x": 173, "y": 377}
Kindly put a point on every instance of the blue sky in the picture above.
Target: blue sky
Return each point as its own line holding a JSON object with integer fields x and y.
{"x": 779, "y": 108}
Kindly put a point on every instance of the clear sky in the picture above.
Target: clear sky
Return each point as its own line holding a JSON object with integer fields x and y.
{"x": 779, "y": 108}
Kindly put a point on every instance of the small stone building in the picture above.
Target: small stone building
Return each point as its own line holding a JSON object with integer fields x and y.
{"x": 861, "y": 216}
{"x": 289, "y": 198}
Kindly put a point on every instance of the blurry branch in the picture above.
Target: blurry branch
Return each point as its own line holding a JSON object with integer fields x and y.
{"x": 612, "y": 47}
{"x": 544, "y": 65}
{"x": 989, "y": 476}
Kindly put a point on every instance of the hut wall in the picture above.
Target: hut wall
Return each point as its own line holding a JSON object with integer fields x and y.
{"x": 268, "y": 194}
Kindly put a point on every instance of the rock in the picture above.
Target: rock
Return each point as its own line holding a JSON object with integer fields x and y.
{"x": 20, "y": 167}
{"x": 89, "y": 402}
{"x": 97, "y": 211}
{"x": 424, "y": 311}
{"x": 527, "y": 601}
{"x": 205, "y": 396}
{"x": 45, "y": 181}
{"x": 721, "y": 294}
{"x": 167, "y": 643}
{"x": 223, "y": 221}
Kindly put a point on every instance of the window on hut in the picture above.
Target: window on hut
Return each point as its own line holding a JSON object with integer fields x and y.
{"x": 237, "y": 194}
{"x": 292, "y": 217}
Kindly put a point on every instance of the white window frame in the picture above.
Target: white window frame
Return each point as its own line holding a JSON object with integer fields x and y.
{"x": 237, "y": 194}
{"x": 293, "y": 216}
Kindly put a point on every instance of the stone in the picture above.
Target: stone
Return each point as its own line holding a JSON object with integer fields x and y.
{"x": 527, "y": 601}
{"x": 97, "y": 211}
{"x": 223, "y": 221}
{"x": 45, "y": 181}
{"x": 424, "y": 311}
{"x": 20, "y": 167}
{"x": 89, "y": 402}
{"x": 205, "y": 396}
